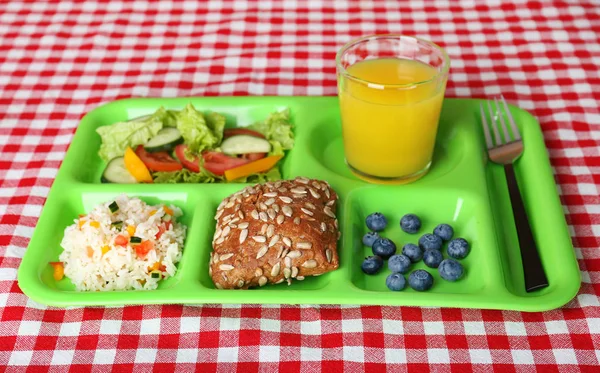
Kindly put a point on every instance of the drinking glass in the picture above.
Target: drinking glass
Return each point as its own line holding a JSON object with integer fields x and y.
{"x": 391, "y": 89}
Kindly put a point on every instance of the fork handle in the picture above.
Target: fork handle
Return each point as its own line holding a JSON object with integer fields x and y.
{"x": 535, "y": 278}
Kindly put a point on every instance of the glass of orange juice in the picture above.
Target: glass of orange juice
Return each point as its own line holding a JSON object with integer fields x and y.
{"x": 391, "y": 89}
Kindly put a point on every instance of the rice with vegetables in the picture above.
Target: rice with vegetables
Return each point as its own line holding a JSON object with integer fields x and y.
{"x": 123, "y": 244}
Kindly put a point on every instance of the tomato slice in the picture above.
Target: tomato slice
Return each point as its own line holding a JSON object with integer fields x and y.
{"x": 254, "y": 156}
{"x": 229, "y": 132}
{"x": 162, "y": 229}
{"x": 121, "y": 240}
{"x": 144, "y": 248}
{"x": 218, "y": 163}
{"x": 190, "y": 165}
{"x": 159, "y": 161}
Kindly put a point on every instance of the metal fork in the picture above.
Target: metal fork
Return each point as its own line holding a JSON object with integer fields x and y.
{"x": 506, "y": 151}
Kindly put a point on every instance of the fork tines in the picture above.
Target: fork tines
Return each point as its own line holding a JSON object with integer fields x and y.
{"x": 495, "y": 117}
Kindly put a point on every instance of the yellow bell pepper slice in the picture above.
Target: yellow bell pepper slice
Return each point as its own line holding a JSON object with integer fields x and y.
{"x": 59, "y": 270}
{"x": 136, "y": 167}
{"x": 248, "y": 169}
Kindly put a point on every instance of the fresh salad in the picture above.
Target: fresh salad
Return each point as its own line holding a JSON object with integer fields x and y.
{"x": 189, "y": 146}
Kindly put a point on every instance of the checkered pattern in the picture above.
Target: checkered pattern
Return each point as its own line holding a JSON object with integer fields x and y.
{"x": 59, "y": 60}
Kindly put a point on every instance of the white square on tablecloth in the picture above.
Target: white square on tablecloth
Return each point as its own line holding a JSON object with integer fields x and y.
{"x": 352, "y": 326}
{"x": 585, "y": 275}
{"x": 551, "y": 89}
{"x": 61, "y": 357}
{"x": 106, "y": 356}
{"x": 272, "y": 325}
{"x": 354, "y": 353}
{"x": 480, "y": 356}
{"x": 474, "y": 327}
{"x": 395, "y": 355}
{"x": 108, "y": 327}
{"x": 587, "y": 188}
{"x": 565, "y": 356}
{"x": 31, "y": 140}
{"x": 150, "y": 326}
{"x": 267, "y": 353}
{"x": 310, "y": 327}
{"x": 392, "y": 326}
{"x": 145, "y": 355}
{"x": 189, "y": 325}
{"x": 187, "y": 355}
{"x": 557, "y": 327}
{"x": 229, "y": 323}
{"x": 29, "y": 327}
{"x": 593, "y": 325}
{"x": 576, "y": 73}
{"x": 70, "y": 329}
{"x": 438, "y": 355}
{"x": 22, "y": 157}
{"x": 515, "y": 328}
{"x": 433, "y": 327}
{"x": 522, "y": 357}
{"x": 228, "y": 354}
{"x": 311, "y": 354}
{"x": 21, "y": 358}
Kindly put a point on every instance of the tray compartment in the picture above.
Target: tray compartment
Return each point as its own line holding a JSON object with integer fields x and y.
{"x": 63, "y": 209}
{"x": 461, "y": 210}
{"x": 215, "y": 194}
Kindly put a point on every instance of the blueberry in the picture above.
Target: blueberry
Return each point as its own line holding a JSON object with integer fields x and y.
{"x": 395, "y": 282}
{"x": 420, "y": 280}
{"x": 399, "y": 263}
{"x": 458, "y": 248}
{"x": 384, "y": 247}
{"x": 372, "y": 265}
{"x": 451, "y": 270}
{"x": 369, "y": 238}
{"x": 412, "y": 251}
{"x": 430, "y": 241}
{"x": 376, "y": 222}
{"x": 444, "y": 231}
{"x": 432, "y": 258}
{"x": 410, "y": 223}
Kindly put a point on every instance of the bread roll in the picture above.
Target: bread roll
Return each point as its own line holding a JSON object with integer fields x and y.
{"x": 275, "y": 232}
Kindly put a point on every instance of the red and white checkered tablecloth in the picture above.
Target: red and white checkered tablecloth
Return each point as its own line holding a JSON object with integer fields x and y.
{"x": 59, "y": 60}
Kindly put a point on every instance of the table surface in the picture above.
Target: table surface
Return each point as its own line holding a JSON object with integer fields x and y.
{"x": 60, "y": 60}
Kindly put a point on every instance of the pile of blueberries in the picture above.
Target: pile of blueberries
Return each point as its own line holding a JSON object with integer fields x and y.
{"x": 429, "y": 250}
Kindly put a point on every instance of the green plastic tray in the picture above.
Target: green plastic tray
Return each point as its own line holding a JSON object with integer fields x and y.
{"x": 461, "y": 188}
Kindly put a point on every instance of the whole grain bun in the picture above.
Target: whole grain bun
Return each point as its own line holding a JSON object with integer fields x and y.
{"x": 274, "y": 232}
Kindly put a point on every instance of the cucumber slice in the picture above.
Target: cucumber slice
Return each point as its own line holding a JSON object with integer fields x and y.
{"x": 244, "y": 144}
{"x": 114, "y": 207}
{"x": 116, "y": 172}
{"x": 117, "y": 224}
{"x": 165, "y": 140}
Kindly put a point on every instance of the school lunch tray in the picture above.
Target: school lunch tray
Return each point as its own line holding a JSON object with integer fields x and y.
{"x": 462, "y": 188}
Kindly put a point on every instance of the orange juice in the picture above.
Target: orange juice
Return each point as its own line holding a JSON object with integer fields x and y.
{"x": 389, "y": 123}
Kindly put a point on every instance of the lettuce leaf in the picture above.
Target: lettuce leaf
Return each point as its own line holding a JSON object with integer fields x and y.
{"x": 118, "y": 136}
{"x": 197, "y": 133}
{"x": 278, "y": 131}
{"x": 185, "y": 176}
{"x": 216, "y": 122}
{"x": 271, "y": 175}
{"x": 204, "y": 177}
